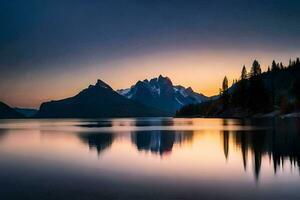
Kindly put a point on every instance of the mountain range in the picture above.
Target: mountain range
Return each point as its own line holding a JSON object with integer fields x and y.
{"x": 98, "y": 100}
{"x": 147, "y": 98}
{"x": 160, "y": 93}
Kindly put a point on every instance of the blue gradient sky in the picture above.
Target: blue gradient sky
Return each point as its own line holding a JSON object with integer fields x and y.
{"x": 53, "y": 49}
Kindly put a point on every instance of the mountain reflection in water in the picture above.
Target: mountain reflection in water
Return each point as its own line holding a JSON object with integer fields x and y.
{"x": 280, "y": 142}
{"x": 100, "y": 141}
{"x": 160, "y": 142}
{"x": 154, "y": 158}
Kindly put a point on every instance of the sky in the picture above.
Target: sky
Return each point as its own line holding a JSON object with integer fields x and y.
{"x": 53, "y": 49}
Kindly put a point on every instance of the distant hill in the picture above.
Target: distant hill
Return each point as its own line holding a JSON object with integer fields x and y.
{"x": 98, "y": 100}
{"x": 160, "y": 93}
{"x": 27, "y": 112}
{"x": 7, "y": 112}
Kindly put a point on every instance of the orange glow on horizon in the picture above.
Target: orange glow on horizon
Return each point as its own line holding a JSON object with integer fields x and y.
{"x": 199, "y": 69}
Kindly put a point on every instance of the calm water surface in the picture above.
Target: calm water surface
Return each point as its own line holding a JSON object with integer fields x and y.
{"x": 151, "y": 158}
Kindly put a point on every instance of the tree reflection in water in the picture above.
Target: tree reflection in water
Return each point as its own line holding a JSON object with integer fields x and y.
{"x": 280, "y": 143}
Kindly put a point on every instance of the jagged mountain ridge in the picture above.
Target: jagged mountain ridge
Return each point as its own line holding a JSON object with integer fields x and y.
{"x": 160, "y": 93}
{"x": 98, "y": 100}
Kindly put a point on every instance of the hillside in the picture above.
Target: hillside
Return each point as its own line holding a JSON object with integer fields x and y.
{"x": 270, "y": 93}
{"x": 7, "y": 112}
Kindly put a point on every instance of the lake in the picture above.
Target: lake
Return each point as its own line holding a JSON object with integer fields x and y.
{"x": 149, "y": 158}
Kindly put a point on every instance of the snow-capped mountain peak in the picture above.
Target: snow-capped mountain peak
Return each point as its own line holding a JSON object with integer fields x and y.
{"x": 160, "y": 93}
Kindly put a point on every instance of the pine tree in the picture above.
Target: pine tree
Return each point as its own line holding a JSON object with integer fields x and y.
{"x": 255, "y": 70}
{"x": 225, "y": 94}
{"x": 258, "y": 98}
{"x": 281, "y": 66}
{"x": 275, "y": 66}
{"x": 239, "y": 95}
{"x": 297, "y": 61}
{"x": 244, "y": 73}
{"x": 225, "y": 84}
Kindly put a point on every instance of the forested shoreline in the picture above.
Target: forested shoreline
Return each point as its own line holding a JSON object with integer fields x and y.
{"x": 255, "y": 93}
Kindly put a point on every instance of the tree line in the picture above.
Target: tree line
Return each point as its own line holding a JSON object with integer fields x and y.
{"x": 255, "y": 91}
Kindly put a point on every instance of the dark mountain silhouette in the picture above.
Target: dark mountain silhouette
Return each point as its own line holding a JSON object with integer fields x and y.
{"x": 7, "y": 112}
{"x": 27, "y": 112}
{"x": 98, "y": 100}
{"x": 162, "y": 94}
